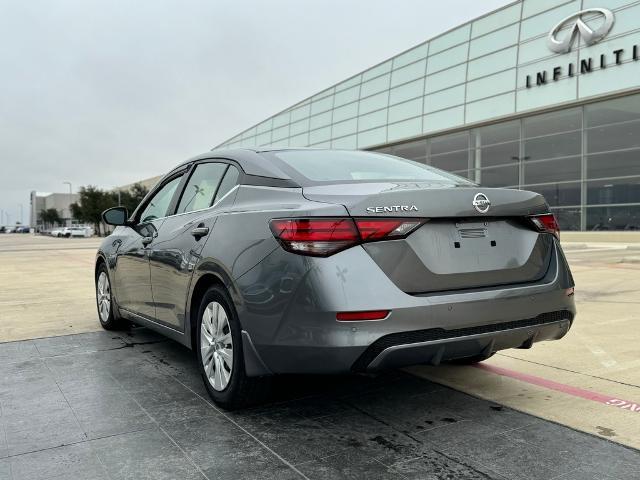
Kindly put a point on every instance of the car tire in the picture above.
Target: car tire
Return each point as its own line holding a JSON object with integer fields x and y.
{"x": 471, "y": 360}
{"x": 228, "y": 386}
{"x": 107, "y": 314}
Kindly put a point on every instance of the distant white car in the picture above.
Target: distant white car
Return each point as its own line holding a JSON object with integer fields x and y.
{"x": 57, "y": 232}
{"x": 84, "y": 232}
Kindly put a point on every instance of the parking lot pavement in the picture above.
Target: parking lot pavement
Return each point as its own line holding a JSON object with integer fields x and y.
{"x": 590, "y": 379}
{"x": 46, "y": 286}
{"x": 132, "y": 406}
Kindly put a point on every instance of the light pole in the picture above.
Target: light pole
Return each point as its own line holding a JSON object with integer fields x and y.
{"x": 70, "y": 195}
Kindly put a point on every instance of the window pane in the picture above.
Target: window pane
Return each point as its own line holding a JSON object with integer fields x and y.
{"x": 498, "y": 154}
{"x": 416, "y": 151}
{"x": 553, "y": 146}
{"x": 613, "y": 111}
{"x": 374, "y": 86}
{"x": 496, "y": 20}
{"x": 621, "y": 190}
{"x": 494, "y": 41}
{"x": 616, "y": 164}
{"x": 452, "y": 161}
{"x": 346, "y": 96}
{"x": 563, "y": 121}
{"x": 332, "y": 166}
{"x": 374, "y": 103}
{"x": 552, "y": 171}
{"x": 502, "y": 132}
{"x": 202, "y": 185}
{"x": 613, "y": 218}
{"x": 491, "y": 85}
{"x": 447, "y": 59}
{"x": 406, "y": 92}
{"x": 158, "y": 205}
{"x": 568, "y": 218}
{"x": 559, "y": 193}
{"x": 613, "y": 137}
{"x": 449, "y": 143}
{"x": 499, "y": 177}
{"x": 228, "y": 182}
{"x": 444, "y": 99}
{"x": 493, "y": 63}
{"x": 408, "y": 73}
{"x": 446, "y": 78}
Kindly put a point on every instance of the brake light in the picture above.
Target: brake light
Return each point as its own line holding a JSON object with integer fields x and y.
{"x": 318, "y": 237}
{"x": 379, "y": 228}
{"x": 325, "y": 236}
{"x": 546, "y": 223}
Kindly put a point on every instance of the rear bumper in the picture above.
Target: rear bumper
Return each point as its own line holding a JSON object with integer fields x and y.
{"x": 293, "y": 327}
{"x": 435, "y": 346}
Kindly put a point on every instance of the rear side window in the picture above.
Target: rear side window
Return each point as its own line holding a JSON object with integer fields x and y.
{"x": 327, "y": 166}
{"x": 201, "y": 187}
{"x": 228, "y": 182}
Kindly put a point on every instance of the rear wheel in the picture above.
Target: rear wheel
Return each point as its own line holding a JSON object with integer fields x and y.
{"x": 107, "y": 315}
{"x": 219, "y": 351}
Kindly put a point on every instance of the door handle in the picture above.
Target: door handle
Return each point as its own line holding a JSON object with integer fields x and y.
{"x": 199, "y": 232}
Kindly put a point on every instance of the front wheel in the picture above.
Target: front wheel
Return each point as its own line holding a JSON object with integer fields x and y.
{"x": 104, "y": 300}
{"x": 219, "y": 351}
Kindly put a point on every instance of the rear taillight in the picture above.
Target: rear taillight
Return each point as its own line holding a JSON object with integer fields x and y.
{"x": 546, "y": 223}
{"x": 322, "y": 237}
{"x": 385, "y": 228}
{"x": 318, "y": 237}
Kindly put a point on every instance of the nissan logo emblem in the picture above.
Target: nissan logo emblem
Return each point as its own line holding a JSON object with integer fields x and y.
{"x": 578, "y": 25}
{"x": 481, "y": 203}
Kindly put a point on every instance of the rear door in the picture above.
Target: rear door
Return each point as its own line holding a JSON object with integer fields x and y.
{"x": 180, "y": 239}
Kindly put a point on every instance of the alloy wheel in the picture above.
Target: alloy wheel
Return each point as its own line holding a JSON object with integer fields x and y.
{"x": 216, "y": 346}
{"x": 103, "y": 293}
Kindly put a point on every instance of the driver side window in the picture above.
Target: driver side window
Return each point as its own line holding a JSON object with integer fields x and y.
{"x": 159, "y": 203}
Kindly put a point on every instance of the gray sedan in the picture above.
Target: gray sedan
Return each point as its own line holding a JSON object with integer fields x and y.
{"x": 323, "y": 261}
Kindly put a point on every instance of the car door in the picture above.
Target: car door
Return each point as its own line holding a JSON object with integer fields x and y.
{"x": 182, "y": 236}
{"x": 133, "y": 282}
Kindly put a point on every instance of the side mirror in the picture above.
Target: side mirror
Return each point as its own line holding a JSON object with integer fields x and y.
{"x": 115, "y": 216}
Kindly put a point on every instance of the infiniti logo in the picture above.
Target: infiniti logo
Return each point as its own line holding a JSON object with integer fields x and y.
{"x": 589, "y": 35}
{"x": 481, "y": 203}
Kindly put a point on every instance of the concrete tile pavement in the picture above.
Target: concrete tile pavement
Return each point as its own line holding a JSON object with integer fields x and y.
{"x": 392, "y": 425}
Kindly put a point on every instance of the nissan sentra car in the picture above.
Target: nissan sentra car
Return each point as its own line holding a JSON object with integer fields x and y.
{"x": 270, "y": 262}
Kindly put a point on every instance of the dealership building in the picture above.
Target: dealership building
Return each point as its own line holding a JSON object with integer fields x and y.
{"x": 541, "y": 95}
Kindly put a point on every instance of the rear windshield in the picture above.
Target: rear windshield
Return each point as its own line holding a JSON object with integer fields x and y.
{"x": 330, "y": 166}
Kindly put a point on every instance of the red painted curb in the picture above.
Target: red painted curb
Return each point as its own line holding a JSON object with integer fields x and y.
{"x": 561, "y": 387}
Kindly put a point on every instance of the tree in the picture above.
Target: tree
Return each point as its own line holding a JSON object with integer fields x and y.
{"x": 93, "y": 201}
{"x": 50, "y": 217}
{"x": 132, "y": 198}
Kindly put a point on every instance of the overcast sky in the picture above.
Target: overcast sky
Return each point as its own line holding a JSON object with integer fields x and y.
{"x": 110, "y": 92}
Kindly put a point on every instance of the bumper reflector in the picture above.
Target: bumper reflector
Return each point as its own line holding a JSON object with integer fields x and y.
{"x": 361, "y": 316}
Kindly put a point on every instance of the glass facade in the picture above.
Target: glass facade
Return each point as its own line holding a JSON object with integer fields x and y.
{"x": 491, "y": 102}
{"x": 584, "y": 160}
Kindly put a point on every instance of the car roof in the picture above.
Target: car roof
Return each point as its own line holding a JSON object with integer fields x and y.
{"x": 250, "y": 160}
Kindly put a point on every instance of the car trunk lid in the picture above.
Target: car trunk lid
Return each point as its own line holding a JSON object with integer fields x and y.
{"x": 459, "y": 247}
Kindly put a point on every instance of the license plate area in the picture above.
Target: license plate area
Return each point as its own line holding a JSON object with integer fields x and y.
{"x": 472, "y": 229}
